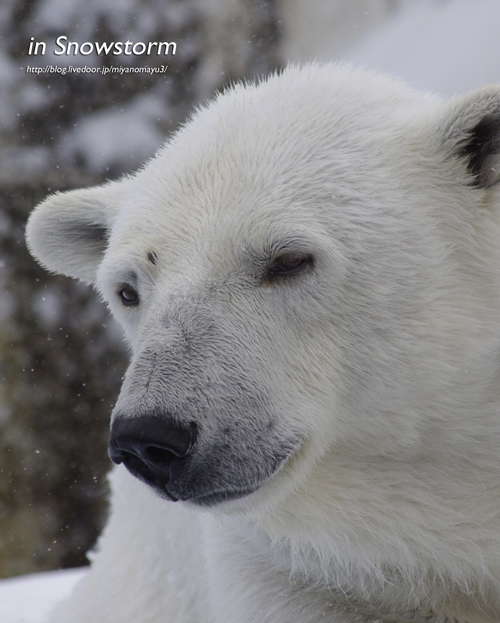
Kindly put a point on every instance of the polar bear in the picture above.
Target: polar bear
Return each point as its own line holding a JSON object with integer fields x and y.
{"x": 308, "y": 274}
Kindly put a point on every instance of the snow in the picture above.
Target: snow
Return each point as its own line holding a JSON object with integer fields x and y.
{"x": 322, "y": 29}
{"x": 446, "y": 47}
{"x": 28, "y": 599}
{"x": 55, "y": 14}
{"x": 8, "y": 76}
{"x": 60, "y": 15}
{"x": 117, "y": 136}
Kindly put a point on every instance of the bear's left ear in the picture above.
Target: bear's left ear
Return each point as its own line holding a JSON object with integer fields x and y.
{"x": 68, "y": 232}
{"x": 471, "y": 126}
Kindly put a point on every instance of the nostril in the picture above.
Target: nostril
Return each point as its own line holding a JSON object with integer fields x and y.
{"x": 152, "y": 439}
{"x": 158, "y": 455}
{"x": 153, "y": 448}
{"x": 115, "y": 454}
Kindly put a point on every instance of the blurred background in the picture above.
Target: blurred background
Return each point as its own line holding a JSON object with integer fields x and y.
{"x": 61, "y": 355}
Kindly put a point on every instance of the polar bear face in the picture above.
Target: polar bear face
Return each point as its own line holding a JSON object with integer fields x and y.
{"x": 301, "y": 272}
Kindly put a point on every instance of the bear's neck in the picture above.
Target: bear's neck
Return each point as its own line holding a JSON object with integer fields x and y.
{"x": 383, "y": 537}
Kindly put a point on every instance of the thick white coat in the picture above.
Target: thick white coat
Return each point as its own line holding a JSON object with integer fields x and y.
{"x": 381, "y": 357}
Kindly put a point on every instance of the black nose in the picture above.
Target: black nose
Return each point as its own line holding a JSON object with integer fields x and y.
{"x": 153, "y": 448}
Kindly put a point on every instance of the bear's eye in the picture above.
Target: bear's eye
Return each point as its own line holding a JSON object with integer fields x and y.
{"x": 289, "y": 265}
{"x": 129, "y": 296}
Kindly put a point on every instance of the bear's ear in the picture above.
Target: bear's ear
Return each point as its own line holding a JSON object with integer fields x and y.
{"x": 472, "y": 132}
{"x": 68, "y": 232}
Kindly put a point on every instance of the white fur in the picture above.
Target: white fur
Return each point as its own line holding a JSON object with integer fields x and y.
{"x": 383, "y": 359}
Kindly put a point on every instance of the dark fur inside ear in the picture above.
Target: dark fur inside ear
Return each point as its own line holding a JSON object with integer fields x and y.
{"x": 483, "y": 151}
{"x": 91, "y": 234}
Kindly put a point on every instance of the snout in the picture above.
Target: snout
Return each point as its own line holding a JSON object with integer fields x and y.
{"x": 154, "y": 449}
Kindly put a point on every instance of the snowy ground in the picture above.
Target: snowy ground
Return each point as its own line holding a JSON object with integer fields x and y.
{"x": 445, "y": 47}
{"x": 28, "y": 599}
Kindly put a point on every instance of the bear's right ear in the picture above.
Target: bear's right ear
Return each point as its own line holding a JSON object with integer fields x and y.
{"x": 68, "y": 232}
{"x": 472, "y": 132}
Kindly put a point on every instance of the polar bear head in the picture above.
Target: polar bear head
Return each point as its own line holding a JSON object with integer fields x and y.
{"x": 307, "y": 272}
